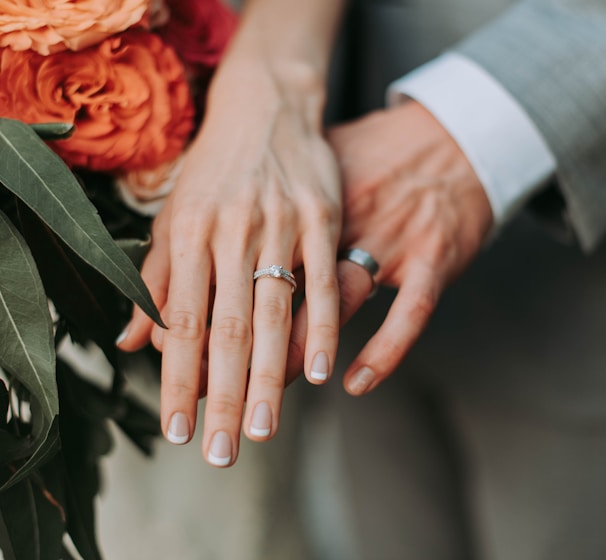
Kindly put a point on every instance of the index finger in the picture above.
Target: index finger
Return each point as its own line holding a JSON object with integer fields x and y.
{"x": 406, "y": 319}
{"x": 183, "y": 343}
{"x": 155, "y": 272}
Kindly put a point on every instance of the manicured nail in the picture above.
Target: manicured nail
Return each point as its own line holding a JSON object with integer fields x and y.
{"x": 178, "y": 429}
{"x": 122, "y": 336}
{"x": 319, "y": 367}
{"x": 361, "y": 381}
{"x": 261, "y": 420}
{"x": 219, "y": 453}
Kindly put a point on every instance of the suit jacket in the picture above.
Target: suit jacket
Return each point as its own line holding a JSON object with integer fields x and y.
{"x": 528, "y": 319}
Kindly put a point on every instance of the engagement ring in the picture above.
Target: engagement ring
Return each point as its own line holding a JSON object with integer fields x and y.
{"x": 276, "y": 271}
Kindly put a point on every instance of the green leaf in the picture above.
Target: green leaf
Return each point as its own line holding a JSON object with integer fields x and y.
{"x": 82, "y": 479}
{"x": 25, "y": 323}
{"x": 141, "y": 427}
{"x": 140, "y": 424}
{"x": 32, "y": 520}
{"x": 80, "y": 294}
{"x": 6, "y": 545}
{"x": 53, "y": 131}
{"x": 45, "y": 447}
{"x": 4, "y": 402}
{"x": 136, "y": 249}
{"x": 28, "y": 352}
{"x": 12, "y": 448}
{"x": 85, "y": 399}
{"x": 41, "y": 180}
{"x": 80, "y": 432}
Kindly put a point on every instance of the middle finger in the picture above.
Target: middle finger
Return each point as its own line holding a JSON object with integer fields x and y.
{"x": 229, "y": 351}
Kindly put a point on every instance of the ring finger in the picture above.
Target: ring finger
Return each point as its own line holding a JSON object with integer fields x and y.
{"x": 272, "y": 321}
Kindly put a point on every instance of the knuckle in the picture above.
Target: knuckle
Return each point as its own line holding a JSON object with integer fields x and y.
{"x": 325, "y": 212}
{"x": 231, "y": 330}
{"x": 422, "y": 307}
{"x": 249, "y": 217}
{"x": 223, "y": 404}
{"x": 281, "y": 212}
{"x": 239, "y": 224}
{"x": 324, "y": 282}
{"x": 185, "y": 325}
{"x": 439, "y": 247}
{"x": 244, "y": 207}
{"x": 189, "y": 232}
{"x": 182, "y": 387}
{"x": 269, "y": 379}
{"x": 326, "y": 331}
{"x": 392, "y": 348}
{"x": 186, "y": 220}
{"x": 274, "y": 311}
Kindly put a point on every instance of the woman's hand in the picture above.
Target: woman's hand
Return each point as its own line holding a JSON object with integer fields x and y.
{"x": 259, "y": 187}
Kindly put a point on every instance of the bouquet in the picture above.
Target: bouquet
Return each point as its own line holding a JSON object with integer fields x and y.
{"x": 98, "y": 100}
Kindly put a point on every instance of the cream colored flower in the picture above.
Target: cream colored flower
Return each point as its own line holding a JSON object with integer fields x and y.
{"x": 48, "y": 26}
{"x": 158, "y": 13}
{"x": 146, "y": 190}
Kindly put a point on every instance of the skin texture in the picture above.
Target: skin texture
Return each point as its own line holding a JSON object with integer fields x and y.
{"x": 259, "y": 187}
{"x": 412, "y": 200}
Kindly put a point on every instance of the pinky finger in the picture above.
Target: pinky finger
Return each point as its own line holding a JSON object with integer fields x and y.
{"x": 408, "y": 316}
{"x": 322, "y": 306}
{"x": 354, "y": 287}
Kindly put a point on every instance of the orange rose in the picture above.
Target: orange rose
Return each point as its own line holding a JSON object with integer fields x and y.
{"x": 127, "y": 96}
{"x": 48, "y": 26}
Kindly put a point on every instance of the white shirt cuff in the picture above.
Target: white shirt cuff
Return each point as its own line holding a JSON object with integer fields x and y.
{"x": 507, "y": 152}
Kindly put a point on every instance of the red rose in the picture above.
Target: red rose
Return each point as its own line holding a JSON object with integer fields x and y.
{"x": 199, "y": 31}
{"x": 127, "y": 96}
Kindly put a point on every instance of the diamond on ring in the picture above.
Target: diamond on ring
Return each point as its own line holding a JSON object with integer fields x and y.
{"x": 276, "y": 271}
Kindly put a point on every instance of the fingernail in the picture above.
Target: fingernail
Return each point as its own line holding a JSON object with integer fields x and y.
{"x": 361, "y": 381}
{"x": 178, "y": 429}
{"x": 261, "y": 420}
{"x": 319, "y": 367}
{"x": 122, "y": 336}
{"x": 219, "y": 453}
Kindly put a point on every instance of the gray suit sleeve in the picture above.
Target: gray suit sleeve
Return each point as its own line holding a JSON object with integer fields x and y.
{"x": 551, "y": 56}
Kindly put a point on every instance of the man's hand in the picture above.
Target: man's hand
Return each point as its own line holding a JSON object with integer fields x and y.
{"x": 412, "y": 200}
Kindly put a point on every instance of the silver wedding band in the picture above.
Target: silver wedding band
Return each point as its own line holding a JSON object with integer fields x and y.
{"x": 276, "y": 271}
{"x": 366, "y": 261}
